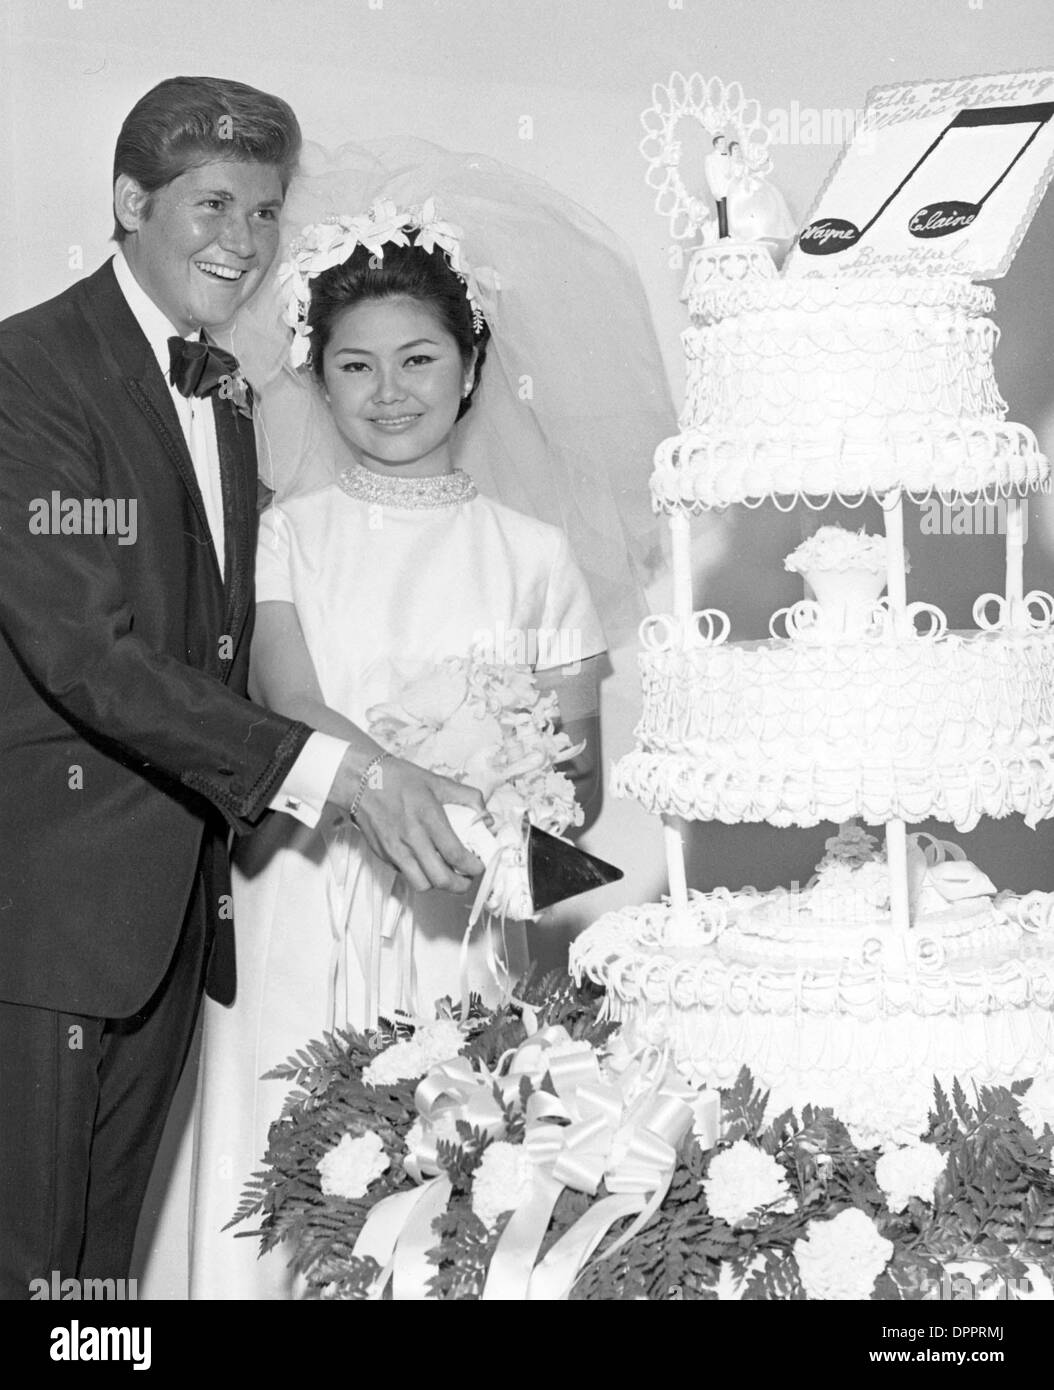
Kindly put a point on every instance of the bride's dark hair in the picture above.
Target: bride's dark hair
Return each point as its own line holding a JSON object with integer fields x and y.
{"x": 404, "y": 271}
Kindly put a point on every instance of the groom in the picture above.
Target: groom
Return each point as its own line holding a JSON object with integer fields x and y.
{"x": 128, "y": 748}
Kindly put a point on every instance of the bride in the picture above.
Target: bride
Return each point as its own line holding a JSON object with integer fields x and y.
{"x": 381, "y": 557}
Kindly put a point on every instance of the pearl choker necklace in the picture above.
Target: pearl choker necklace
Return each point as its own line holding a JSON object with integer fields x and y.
{"x": 445, "y": 490}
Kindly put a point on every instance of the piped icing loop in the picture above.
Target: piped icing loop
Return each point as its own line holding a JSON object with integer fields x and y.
{"x": 1032, "y": 613}
{"x": 708, "y": 627}
{"x": 660, "y": 632}
{"x": 1034, "y": 912}
{"x": 892, "y": 625}
{"x": 801, "y": 622}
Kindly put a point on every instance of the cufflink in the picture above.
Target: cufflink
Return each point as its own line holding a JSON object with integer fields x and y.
{"x": 292, "y": 804}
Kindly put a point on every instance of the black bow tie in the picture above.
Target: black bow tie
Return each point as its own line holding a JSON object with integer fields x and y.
{"x": 198, "y": 368}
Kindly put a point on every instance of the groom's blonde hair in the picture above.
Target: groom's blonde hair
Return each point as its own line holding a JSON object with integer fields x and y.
{"x": 186, "y": 121}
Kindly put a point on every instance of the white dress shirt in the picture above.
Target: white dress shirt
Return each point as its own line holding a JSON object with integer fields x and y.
{"x": 306, "y": 787}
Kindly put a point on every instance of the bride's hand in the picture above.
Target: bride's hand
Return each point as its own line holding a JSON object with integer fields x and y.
{"x": 402, "y": 821}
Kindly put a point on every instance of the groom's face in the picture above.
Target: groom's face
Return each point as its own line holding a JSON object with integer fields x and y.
{"x": 207, "y": 240}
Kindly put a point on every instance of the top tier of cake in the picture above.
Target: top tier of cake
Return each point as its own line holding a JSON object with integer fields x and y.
{"x": 837, "y": 388}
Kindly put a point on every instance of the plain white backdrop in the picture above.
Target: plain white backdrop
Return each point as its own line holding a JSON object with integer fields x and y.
{"x": 556, "y": 87}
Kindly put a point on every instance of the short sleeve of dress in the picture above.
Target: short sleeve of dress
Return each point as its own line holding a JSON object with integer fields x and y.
{"x": 569, "y": 613}
{"x": 273, "y": 580}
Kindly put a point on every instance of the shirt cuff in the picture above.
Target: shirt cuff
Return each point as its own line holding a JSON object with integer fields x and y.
{"x": 309, "y": 781}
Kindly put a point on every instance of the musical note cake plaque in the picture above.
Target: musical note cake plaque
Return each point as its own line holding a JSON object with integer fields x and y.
{"x": 940, "y": 177}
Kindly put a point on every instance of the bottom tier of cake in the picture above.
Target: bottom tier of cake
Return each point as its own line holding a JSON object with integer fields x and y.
{"x": 863, "y": 1026}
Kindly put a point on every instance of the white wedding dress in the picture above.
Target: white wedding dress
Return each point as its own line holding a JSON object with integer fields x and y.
{"x": 381, "y": 589}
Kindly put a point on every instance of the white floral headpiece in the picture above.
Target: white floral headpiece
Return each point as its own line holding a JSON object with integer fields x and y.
{"x": 331, "y": 241}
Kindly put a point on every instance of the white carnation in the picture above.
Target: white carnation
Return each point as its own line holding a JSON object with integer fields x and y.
{"x": 842, "y": 1258}
{"x": 911, "y": 1171}
{"x": 410, "y": 1059}
{"x": 439, "y": 1041}
{"x": 742, "y": 1179}
{"x": 885, "y": 1112}
{"x": 349, "y": 1168}
{"x": 501, "y": 1182}
{"x": 403, "y": 1061}
{"x": 1037, "y": 1105}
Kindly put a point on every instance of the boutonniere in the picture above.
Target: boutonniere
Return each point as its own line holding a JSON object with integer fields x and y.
{"x": 236, "y": 389}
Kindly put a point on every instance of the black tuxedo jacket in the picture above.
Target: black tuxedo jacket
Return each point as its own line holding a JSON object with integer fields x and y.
{"x": 127, "y": 746}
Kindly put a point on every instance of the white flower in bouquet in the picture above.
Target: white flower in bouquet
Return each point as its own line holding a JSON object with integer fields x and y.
{"x": 1037, "y": 1105}
{"x": 424, "y": 705}
{"x": 488, "y": 725}
{"x": 439, "y": 1041}
{"x": 502, "y": 1181}
{"x": 742, "y": 1179}
{"x": 911, "y": 1171}
{"x": 501, "y": 687}
{"x": 842, "y": 1258}
{"x": 349, "y": 1168}
{"x": 886, "y": 1113}
{"x": 409, "y": 1059}
{"x": 403, "y": 1061}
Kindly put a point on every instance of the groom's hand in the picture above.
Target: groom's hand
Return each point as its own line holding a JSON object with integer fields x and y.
{"x": 402, "y": 820}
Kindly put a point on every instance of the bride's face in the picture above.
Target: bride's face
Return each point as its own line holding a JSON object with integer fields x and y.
{"x": 394, "y": 377}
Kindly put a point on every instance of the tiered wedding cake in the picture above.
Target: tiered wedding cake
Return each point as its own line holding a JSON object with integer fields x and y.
{"x": 895, "y": 963}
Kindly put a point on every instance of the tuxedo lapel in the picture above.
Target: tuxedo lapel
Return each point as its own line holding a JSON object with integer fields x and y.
{"x": 123, "y": 342}
{"x": 237, "y": 450}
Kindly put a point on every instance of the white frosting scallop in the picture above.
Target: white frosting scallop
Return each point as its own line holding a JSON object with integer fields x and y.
{"x": 958, "y": 460}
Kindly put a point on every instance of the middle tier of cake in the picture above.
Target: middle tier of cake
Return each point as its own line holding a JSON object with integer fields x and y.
{"x": 954, "y": 728}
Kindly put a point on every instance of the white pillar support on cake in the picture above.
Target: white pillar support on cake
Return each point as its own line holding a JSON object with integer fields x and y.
{"x": 896, "y": 586}
{"x": 673, "y": 826}
{"x": 673, "y": 838}
{"x": 681, "y": 538}
{"x": 1015, "y": 556}
{"x": 896, "y": 592}
{"x": 897, "y": 862}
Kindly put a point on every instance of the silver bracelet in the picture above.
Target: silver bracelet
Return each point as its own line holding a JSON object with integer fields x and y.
{"x": 364, "y": 781}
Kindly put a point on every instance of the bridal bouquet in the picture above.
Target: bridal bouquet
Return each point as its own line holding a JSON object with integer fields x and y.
{"x": 489, "y": 725}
